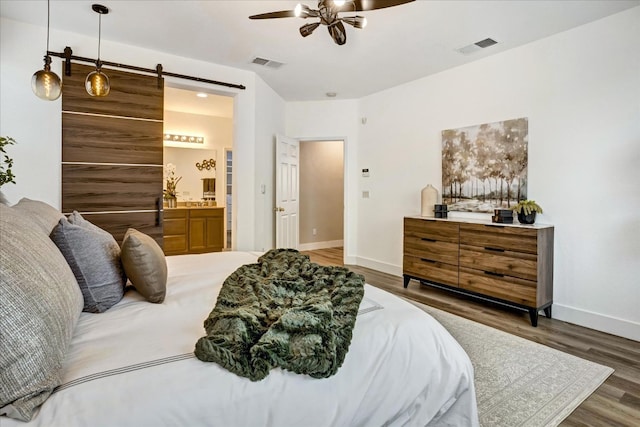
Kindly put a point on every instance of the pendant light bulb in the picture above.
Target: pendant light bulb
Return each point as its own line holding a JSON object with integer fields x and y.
{"x": 45, "y": 83}
{"x": 97, "y": 82}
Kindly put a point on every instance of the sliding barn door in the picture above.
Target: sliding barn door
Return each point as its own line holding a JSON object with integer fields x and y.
{"x": 112, "y": 152}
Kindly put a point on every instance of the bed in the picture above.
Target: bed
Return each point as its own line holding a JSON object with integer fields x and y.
{"x": 133, "y": 365}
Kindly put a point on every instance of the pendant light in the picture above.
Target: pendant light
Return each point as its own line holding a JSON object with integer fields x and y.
{"x": 45, "y": 83}
{"x": 97, "y": 83}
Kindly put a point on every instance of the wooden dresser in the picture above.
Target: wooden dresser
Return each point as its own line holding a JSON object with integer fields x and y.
{"x": 510, "y": 264}
{"x": 193, "y": 230}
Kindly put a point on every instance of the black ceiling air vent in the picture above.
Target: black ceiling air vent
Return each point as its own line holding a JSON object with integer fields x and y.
{"x": 485, "y": 43}
{"x": 474, "y": 47}
{"x": 266, "y": 62}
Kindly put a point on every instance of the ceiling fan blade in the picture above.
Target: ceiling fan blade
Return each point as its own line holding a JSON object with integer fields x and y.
{"x": 280, "y": 14}
{"x": 361, "y": 5}
{"x": 355, "y": 21}
{"x": 338, "y": 33}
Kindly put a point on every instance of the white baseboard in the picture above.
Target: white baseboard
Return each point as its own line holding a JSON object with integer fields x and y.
{"x": 384, "y": 267}
{"x": 320, "y": 245}
{"x": 599, "y": 322}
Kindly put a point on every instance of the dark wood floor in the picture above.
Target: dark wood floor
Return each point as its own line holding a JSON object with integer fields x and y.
{"x": 615, "y": 403}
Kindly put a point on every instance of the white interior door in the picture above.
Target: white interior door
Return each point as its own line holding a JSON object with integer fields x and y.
{"x": 287, "y": 190}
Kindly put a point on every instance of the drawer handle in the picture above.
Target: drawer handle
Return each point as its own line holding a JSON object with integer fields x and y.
{"x": 427, "y": 240}
{"x": 494, "y": 249}
{"x": 491, "y": 273}
{"x": 427, "y": 260}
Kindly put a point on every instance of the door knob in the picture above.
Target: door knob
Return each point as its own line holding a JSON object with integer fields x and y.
{"x": 278, "y": 209}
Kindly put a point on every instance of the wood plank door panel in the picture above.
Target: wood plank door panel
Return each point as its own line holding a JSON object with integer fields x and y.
{"x": 109, "y": 139}
{"x": 118, "y": 223}
{"x": 112, "y": 152}
{"x": 131, "y": 95}
{"x": 103, "y": 188}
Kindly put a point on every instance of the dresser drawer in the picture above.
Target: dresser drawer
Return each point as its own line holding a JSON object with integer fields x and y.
{"x": 422, "y": 247}
{"x": 507, "y": 288}
{"x": 518, "y": 239}
{"x": 441, "y": 231}
{"x": 510, "y": 263}
{"x": 429, "y": 270}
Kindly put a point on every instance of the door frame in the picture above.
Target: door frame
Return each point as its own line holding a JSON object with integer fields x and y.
{"x": 347, "y": 206}
{"x": 195, "y": 86}
{"x": 226, "y": 213}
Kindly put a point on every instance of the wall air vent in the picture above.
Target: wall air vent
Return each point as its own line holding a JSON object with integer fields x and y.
{"x": 474, "y": 47}
{"x": 267, "y": 62}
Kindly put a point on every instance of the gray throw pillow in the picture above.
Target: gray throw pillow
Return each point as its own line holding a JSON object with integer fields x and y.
{"x": 145, "y": 265}
{"x": 77, "y": 219}
{"x": 40, "y": 303}
{"x": 44, "y": 215}
{"x": 94, "y": 258}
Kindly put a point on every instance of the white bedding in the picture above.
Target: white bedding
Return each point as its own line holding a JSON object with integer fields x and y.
{"x": 134, "y": 366}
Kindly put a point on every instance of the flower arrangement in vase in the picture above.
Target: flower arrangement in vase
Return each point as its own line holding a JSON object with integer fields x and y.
{"x": 171, "y": 182}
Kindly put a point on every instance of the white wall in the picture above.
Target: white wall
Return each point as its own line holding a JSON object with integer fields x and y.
{"x": 270, "y": 113}
{"x": 333, "y": 120}
{"x": 581, "y": 92}
{"x": 36, "y": 124}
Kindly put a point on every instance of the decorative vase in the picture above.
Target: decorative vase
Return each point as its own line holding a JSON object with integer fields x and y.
{"x": 527, "y": 219}
{"x": 429, "y": 199}
{"x": 171, "y": 203}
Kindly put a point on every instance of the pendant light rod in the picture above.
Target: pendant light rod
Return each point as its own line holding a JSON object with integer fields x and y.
{"x": 97, "y": 83}
{"x": 100, "y": 10}
{"x": 69, "y": 57}
{"x": 48, "y": 20}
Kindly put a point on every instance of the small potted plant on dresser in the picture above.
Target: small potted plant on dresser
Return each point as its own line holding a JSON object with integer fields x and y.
{"x": 526, "y": 210}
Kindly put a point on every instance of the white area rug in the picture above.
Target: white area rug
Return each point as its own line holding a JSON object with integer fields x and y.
{"x": 519, "y": 382}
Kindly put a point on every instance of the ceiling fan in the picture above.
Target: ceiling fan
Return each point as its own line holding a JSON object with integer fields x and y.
{"x": 327, "y": 12}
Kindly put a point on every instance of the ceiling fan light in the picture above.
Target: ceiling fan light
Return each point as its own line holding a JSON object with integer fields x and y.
{"x": 307, "y": 29}
{"x": 339, "y": 2}
{"x": 302, "y": 11}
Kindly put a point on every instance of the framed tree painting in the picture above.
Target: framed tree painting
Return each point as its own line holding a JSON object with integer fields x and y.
{"x": 484, "y": 167}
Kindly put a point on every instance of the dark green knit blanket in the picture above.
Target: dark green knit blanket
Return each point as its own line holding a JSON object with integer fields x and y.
{"x": 283, "y": 311}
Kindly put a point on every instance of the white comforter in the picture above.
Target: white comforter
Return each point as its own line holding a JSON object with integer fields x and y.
{"x": 134, "y": 366}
